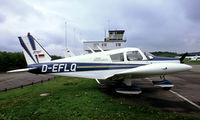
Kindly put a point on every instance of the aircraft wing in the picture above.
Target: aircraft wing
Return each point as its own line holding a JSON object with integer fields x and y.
{"x": 148, "y": 70}
{"x": 102, "y": 74}
{"x": 151, "y": 70}
{"x": 99, "y": 74}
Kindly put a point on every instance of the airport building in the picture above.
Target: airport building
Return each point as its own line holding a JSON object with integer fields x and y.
{"x": 115, "y": 40}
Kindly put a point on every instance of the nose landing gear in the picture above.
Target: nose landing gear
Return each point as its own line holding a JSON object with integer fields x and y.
{"x": 165, "y": 84}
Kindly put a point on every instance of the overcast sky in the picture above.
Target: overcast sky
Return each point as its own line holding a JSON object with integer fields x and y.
{"x": 152, "y": 25}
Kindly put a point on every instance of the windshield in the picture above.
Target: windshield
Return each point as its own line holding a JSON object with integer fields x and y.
{"x": 148, "y": 55}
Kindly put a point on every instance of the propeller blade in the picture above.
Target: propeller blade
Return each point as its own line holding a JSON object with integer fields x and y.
{"x": 183, "y": 57}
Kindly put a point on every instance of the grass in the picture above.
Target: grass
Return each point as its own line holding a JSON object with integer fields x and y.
{"x": 73, "y": 99}
{"x": 191, "y": 62}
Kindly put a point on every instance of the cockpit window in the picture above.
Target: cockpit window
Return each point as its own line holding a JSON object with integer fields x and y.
{"x": 133, "y": 56}
{"x": 117, "y": 57}
{"x": 148, "y": 55}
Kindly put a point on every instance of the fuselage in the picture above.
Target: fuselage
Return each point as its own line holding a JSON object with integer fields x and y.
{"x": 125, "y": 58}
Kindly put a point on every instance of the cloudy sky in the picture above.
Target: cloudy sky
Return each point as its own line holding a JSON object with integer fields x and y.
{"x": 152, "y": 25}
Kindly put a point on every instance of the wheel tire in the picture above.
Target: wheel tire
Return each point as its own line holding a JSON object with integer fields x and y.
{"x": 167, "y": 88}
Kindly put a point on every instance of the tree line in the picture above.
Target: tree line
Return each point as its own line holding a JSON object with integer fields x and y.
{"x": 165, "y": 54}
{"x": 11, "y": 61}
{"x": 15, "y": 60}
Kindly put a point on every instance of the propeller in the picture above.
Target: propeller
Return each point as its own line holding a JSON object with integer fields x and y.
{"x": 183, "y": 57}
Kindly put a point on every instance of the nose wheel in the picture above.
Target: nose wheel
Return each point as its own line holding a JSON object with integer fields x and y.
{"x": 165, "y": 84}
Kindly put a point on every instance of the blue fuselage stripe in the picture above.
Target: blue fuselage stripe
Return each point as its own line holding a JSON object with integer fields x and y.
{"x": 75, "y": 67}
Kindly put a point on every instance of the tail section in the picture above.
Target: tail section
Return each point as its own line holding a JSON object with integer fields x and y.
{"x": 34, "y": 53}
{"x": 68, "y": 53}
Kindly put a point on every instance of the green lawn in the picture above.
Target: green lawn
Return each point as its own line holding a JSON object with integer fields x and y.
{"x": 191, "y": 62}
{"x": 73, "y": 99}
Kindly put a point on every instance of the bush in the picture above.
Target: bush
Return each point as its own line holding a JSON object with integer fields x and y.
{"x": 10, "y": 61}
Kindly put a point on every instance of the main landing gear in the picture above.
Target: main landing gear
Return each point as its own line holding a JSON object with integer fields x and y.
{"x": 124, "y": 87}
{"x": 129, "y": 89}
{"x": 165, "y": 84}
{"x": 127, "y": 86}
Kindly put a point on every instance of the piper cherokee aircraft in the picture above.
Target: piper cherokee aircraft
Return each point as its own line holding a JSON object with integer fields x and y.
{"x": 119, "y": 65}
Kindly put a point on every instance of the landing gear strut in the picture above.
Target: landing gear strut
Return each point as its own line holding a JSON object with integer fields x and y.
{"x": 165, "y": 84}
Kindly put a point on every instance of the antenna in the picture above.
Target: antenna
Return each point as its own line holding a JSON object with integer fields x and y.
{"x": 108, "y": 24}
{"x": 65, "y": 35}
{"x": 105, "y": 34}
{"x": 74, "y": 30}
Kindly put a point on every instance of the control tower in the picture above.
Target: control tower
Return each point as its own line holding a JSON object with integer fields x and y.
{"x": 114, "y": 40}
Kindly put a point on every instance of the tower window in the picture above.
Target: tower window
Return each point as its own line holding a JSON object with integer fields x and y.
{"x": 104, "y": 44}
{"x": 95, "y": 44}
{"x": 118, "y": 44}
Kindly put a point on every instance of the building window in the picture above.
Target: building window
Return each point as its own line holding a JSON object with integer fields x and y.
{"x": 118, "y": 44}
{"x": 104, "y": 44}
{"x": 119, "y": 57}
{"x": 95, "y": 44}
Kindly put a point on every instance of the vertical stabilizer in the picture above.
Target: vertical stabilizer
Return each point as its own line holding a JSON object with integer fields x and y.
{"x": 34, "y": 53}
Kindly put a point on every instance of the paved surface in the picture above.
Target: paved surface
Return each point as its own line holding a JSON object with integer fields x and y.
{"x": 195, "y": 67}
{"x": 187, "y": 87}
{"x": 15, "y": 80}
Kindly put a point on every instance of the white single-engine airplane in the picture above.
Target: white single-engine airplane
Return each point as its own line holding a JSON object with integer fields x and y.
{"x": 119, "y": 65}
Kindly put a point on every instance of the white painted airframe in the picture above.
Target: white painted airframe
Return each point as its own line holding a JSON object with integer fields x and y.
{"x": 120, "y": 65}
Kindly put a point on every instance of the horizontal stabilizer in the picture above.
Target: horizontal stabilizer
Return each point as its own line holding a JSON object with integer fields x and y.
{"x": 21, "y": 70}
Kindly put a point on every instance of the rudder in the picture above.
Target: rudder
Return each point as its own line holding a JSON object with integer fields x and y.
{"x": 34, "y": 53}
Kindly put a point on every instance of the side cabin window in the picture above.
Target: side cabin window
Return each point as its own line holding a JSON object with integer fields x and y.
{"x": 119, "y": 57}
{"x": 133, "y": 56}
